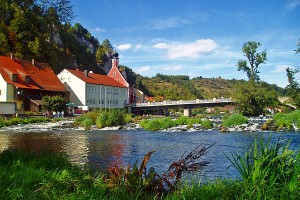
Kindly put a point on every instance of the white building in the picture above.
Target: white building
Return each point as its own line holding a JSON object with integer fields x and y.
{"x": 94, "y": 90}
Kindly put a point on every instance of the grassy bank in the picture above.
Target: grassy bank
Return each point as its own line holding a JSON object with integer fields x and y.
{"x": 267, "y": 171}
{"x": 164, "y": 123}
{"x": 16, "y": 121}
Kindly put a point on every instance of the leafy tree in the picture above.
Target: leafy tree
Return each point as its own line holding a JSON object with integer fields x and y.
{"x": 254, "y": 58}
{"x": 298, "y": 49}
{"x": 63, "y": 8}
{"x": 294, "y": 87}
{"x": 54, "y": 103}
{"x": 251, "y": 99}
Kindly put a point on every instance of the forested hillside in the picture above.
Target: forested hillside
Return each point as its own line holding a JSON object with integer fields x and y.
{"x": 42, "y": 30}
{"x": 177, "y": 87}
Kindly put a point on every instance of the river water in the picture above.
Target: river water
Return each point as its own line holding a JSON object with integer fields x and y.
{"x": 99, "y": 149}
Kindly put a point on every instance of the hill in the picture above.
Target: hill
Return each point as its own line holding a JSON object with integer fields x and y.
{"x": 42, "y": 30}
{"x": 181, "y": 87}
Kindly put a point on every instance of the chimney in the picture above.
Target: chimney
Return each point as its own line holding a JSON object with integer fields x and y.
{"x": 85, "y": 72}
{"x": 11, "y": 56}
{"x": 33, "y": 62}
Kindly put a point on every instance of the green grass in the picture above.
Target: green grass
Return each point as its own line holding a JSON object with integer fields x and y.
{"x": 234, "y": 119}
{"x": 16, "y": 121}
{"x": 165, "y": 123}
{"x": 268, "y": 171}
{"x": 285, "y": 121}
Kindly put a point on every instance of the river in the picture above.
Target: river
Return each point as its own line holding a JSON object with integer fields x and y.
{"x": 99, "y": 149}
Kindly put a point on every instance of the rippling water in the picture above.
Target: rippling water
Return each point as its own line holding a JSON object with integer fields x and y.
{"x": 99, "y": 149}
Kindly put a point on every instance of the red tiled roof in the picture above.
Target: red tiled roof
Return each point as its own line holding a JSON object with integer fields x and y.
{"x": 97, "y": 79}
{"x": 41, "y": 74}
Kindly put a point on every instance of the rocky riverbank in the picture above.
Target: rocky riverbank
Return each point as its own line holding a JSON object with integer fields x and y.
{"x": 255, "y": 124}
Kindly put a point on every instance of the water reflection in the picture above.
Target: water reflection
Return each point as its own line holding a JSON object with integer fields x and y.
{"x": 99, "y": 149}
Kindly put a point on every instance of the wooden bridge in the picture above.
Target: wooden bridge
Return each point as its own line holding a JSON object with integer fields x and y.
{"x": 187, "y": 105}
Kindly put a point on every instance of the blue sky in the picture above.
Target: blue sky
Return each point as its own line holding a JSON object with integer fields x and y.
{"x": 196, "y": 37}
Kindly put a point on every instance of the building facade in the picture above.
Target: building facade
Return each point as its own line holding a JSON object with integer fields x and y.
{"x": 26, "y": 82}
{"x": 93, "y": 90}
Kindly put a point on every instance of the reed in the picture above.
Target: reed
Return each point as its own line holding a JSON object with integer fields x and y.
{"x": 268, "y": 171}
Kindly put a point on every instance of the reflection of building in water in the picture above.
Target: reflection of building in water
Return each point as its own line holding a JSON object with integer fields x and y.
{"x": 107, "y": 150}
{"x": 4, "y": 142}
{"x": 76, "y": 148}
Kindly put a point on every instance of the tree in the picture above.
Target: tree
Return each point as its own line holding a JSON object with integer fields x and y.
{"x": 298, "y": 50}
{"x": 54, "y": 103}
{"x": 255, "y": 59}
{"x": 293, "y": 86}
{"x": 251, "y": 99}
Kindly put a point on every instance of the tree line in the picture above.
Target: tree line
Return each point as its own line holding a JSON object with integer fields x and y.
{"x": 43, "y": 30}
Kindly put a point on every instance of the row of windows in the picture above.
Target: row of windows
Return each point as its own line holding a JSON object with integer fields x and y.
{"x": 93, "y": 101}
{"x": 108, "y": 90}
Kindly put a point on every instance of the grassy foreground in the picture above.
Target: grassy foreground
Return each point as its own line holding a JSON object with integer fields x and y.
{"x": 267, "y": 171}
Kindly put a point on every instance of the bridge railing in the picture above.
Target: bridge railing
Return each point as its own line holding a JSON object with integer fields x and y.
{"x": 182, "y": 102}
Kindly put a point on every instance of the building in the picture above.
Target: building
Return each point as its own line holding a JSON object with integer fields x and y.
{"x": 94, "y": 90}
{"x": 26, "y": 82}
{"x": 134, "y": 94}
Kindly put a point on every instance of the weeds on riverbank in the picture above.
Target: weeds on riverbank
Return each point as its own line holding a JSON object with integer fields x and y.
{"x": 101, "y": 118}
{"x": 234, "y": 119}
{"x": 268, "y": 171}
{"x": 286, "y": 121}
{"x": 16, "y": 121}
{"x": 165, "y": 123}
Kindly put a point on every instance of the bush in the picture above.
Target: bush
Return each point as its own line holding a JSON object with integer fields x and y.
{"x": 14, "y": 121}
{"x": 183, "y": 120}
{"x": 283, "y": 121}
{"x": 206, "y": 124}
{"x": 234, "y": 119}
{"x": 111, "y": 118}
{"x": 87, "y": 123}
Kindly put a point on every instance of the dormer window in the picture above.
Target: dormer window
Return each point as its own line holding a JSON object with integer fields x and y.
{"x": 14, "y": 78}
{"x": 27, "y": 79}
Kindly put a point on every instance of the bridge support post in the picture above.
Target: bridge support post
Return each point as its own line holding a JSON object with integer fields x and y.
{"x": 187, "y": 112}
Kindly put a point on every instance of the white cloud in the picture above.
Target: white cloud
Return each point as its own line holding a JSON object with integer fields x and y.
{"x": 160, "y": 46}
{"x": 293, "y": 4}
{"x": 137, "y": 47}
{"x": 171, "y": 22}
{"x": 98, "y": 29}
{"x": 281, "y": 68}
{"x": 124, "y": 47}
{"x": 188, "y": 50}
{"x": 172, "y": 68}
{"x": 143, "y": 69}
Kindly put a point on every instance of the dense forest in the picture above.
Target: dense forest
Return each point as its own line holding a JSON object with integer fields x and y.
{"x": 43, "y": 30}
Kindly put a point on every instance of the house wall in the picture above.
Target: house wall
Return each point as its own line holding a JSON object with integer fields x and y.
{"x": 7, "y": 108}
{"x": 3, "y": 89}
{"x": 10, "y": 93}
{"x": 105, "y": 97}
{"x": 76, "y": 87}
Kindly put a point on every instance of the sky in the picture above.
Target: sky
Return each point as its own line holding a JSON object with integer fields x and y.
{"x": 196, "y": 37}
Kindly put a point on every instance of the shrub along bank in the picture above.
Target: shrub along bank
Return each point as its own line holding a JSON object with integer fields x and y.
{"x": 101, "y": 118}
{"x": 165, "y": 123}
{"x": 267, "y": 172}
{"x": 16, "y": 121}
